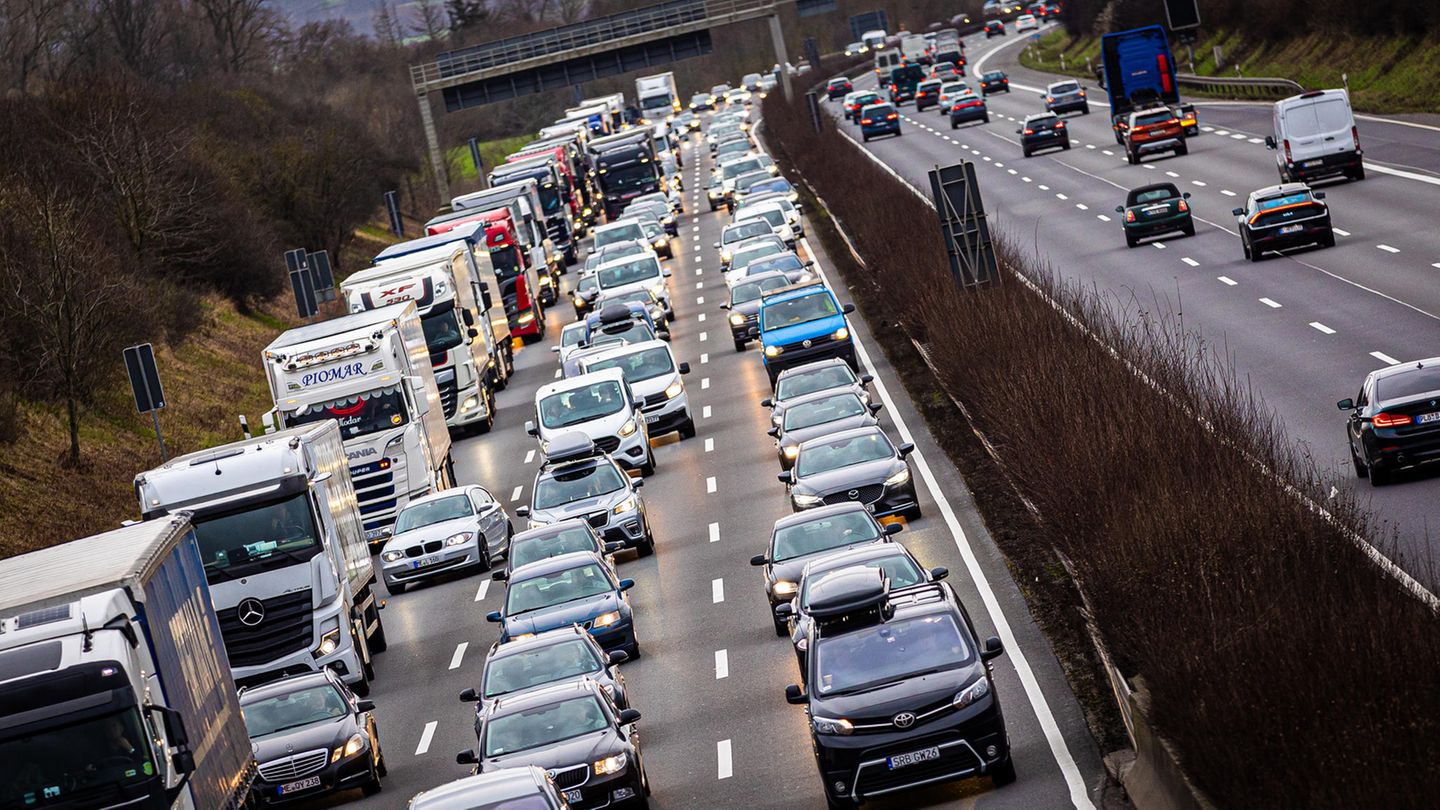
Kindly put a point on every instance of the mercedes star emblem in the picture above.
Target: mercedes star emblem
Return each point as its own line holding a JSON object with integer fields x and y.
{"x": 904, "y": 719}
{"x": 251, "y": 611}
{"x": 854, "y": 493}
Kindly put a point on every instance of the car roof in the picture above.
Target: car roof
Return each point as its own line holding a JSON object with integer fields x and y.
{"x": 631, "y": 348}
{"x": 440, "y": 495}
{"x": 1062, "y": 81}
{"x": 857, "y": 555}
{"x": 818, "y": 513}
{"x": 573, "y": 383}
{"x": 1136, "y": 192}
{"x": 810, "y": 368}
{"x": 501, "y": 785}
{"x": 544, "y": 695}
{"x": 1280, "y": 190}
{"x": 627, "y": 259}
{"x": 551, "y": 529}
{"x": 549, "y": 638}
{"x": 285, "y": 685}
{"x": 1402, "y": 368}
{"x": 769, "y": 274}
{"x": 550, "y": 565}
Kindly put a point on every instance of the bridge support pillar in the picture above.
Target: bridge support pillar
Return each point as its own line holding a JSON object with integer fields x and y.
{"x": 432, "y": 141}
{"x": 781, "y": 58}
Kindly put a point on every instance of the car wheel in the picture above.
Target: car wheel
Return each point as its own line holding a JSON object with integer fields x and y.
{"x": 648, "y": 468}
{"x": 739, "y": 345}
{"x": 1361, "y": 471}
{"x": 1131, "y": 157}
{"x": 687, "y": 429}
{"x": 1245, "y": 247}
{"x": 1328, "y": 240}
{"x": 864, "y": 137}
{"x": 1188, "y": 230}
{"x": 1379, "y": 476}
{"x": 1256, "y": 253}
{"x": 1025, "y": 152}
{"x": 647, "y": 545}
{"x": 1066, "y": 145}
{"x": 1130, "y": 241}
{"x": 372, "y": 785}
{"x": 986, "y": 119}
{"x": 1085, "y": 110}
{"x": 913, "y": 513}
{"x": 485, "y": 563}
{"x": 954, "y": 124}
{"x": 1358, "y": 174}
{"x": 1182, "y": 150}
{"x": 897, "y": 133}
{"x": 1004, "y": 774}
{"x": 395, "y": 588}
{"x": 484, "y": 425}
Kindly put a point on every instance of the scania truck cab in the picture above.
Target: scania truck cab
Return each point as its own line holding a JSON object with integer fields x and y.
{"x": 370, "y": 371}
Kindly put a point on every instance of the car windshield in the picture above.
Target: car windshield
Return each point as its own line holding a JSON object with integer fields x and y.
{"x": 303, "y": 707}
{"x": 431, "y": 512}
{"x": 789, "y": 263}
{"x": 543, "y": 725}
{"x": 638, "y": 366}
{"x": 91, "y": 759}
{"x": 814, "y": 536}
{"x": 594, "y": 401}
{"x": 642, "y": 297}
{"x": 568, "y": 539}
{"x": 809, "y": 414}
{"x": 773, "y": 217}
{"x": 899, "y": 569}
{"x": 746, "y": 292}
{"x": 743, "y": 231}
{"x": 572, "y": 336}
{"x": 823, "y": 456}
{"x": 358, "y": 415}
{"x": 257, "y": 539}
{"x": 739, "y": 167}
{"x": 634, "y": 271}
{"x": 735, "y": 147}
{"x": 778, "y": 184}
{"x": 577, "y": 485}
{"x": 798, "y": 385}
{"x": 531, "y": 668}
{"x": 747, "y": 255}
{"x": 801, "y": 309}
{"x": 888, "y": 652}
{"x": 1409, "y": 383}
{"x": 557, "y": 587}
{"x": 610, "y": 254}
{"x": 623, "y": 232}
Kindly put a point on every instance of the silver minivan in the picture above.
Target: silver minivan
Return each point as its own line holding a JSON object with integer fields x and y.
{"x": 1315, "y": 136}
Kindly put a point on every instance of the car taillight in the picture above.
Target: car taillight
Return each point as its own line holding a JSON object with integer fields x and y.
{"x": 1389, "y": 420}
{"x": 1059, "y": 124}
{"x": 866, "y": 121}
{"x": 1129, "y": 216}
{"x": 1287, "y": 151}
{"x": 1355, "y": 135}
{"x": 1004, "y": 81}
{"x": 1184, "y": 206}
{"x": 892, "y": 116}
{"x": 1029, "y": 131}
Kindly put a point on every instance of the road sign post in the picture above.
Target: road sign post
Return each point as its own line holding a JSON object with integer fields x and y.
{"x": 813, "y": 102}
{"x": 145, "y": 387}
{"x": 302, "y": 283}
{"x": 392, "y": 207}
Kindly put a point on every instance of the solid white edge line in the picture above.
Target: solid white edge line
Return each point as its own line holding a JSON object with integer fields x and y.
{"x": 425, "y": 737}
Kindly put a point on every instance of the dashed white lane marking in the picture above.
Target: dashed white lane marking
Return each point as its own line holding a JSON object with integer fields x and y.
{"x": 1385, "y": 358}
{"x": 1222, "y": 132}
{"x": 1171, "y": 174}
{"x": 1026, "y": 179}
{"x": 1436, "y": 265}
{"x": 515, "y": 494}
{"x": 1044, "y": 187}
{"x": 699, "y": 300}
{"x": 1238, "y": 136}
{"x": 1227, "y": 192}
{"x": 696, "y": 228}
{"x": 1340, "y": 231}
{"x": 710, "y": 485}
{"x": 1012, "y": 171}
{"x": 1227, "y": 280}
{"x": 558, "y": 372}
{"x": 704, "y": 358}
{"x": 1207, "y": 129}
{"x": 705, "y": 412}
{"x": 1322, "y": 327}
{"x": 722, "y": 757}
{"x": 1255, "y": 140}
{"x": 722, "y": 665}
{"x": 704, "y": 383}
{"x": 986, "y": 158}
{"x": 999, "y": 165}
{"x": 1200, "y": 183}
{"x": 1106, "y": 152}
{"x": 699, "y": 258}
{"x": 1270, "y": 303}
{"x": 1158, "y": 245}
{"x": 459, "y": 654}
{"x": 482, "y": 591}
{"x": 700, "y": 318}
{"x": 699, "y": 285}
{"x": 709, "y": 444}
{"x": 1102, "y": 217}
{"x": 1388, "y": 249}
{"x": 1082, "y": 206}
{"x": 1147, "y": 166}
{"x": 717, "y": 590}
{"x": 425, "y": 737}
{"x": 1189, "y": 261}
{"x": 1060, "y": 196}
{"x": 714, "y": 532}
{"x": 1089, "y": 146}
{"x": 704, "y": 336}
{"x": 530, "y": 455}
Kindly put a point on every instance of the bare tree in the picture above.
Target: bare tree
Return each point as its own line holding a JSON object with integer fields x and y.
{"x": 387, "y": 25}
{"x": 571, "y": 10}
{"x": 431, "y": 15}
{"x": 138, "y": 31}
{"x": 244, "y": 31}
{"x": 29, "y": 30}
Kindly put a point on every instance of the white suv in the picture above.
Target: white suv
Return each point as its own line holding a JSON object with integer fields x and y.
{"x": 601, "y": 406}
{"x": 656, "y": 381}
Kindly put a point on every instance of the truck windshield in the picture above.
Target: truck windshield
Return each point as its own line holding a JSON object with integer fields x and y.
{"x": 257, "y": 539}
{"x": 629, "y": 177}
{"x": 358, "y": 415}
{"x": 656, "y": 102}
{"x": 505, "y": 261}
{"x": 76, "y": 764}
{"x": 442, "y": 331}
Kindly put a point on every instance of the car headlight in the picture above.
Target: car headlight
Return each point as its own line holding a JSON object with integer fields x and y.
{"x": 659, "y": 243}
{"x": 736, "y": 319}
{"x": 773, "y": 351}
{"x": 674, "y": 389}
{"x": 352, "y": 746}
{"x": 628, "y": 428}
{"x": 329, "y": 638}
{"x": 784, "y": 587}
{"x": 606, "y": 619}
{"x": 458, "y": 538}
{"x": 898, "y": 478}
{"x": 627, "y": 505}
{"x": 792, "y": 451}
{"x": 545, "y": 280}
{"x": 836, "y": 725}
{"x": 840, "y": 334}
{"x": 724, "y": 257}
{"x": 972, "y": 693}
{"x": 806, "y": 501}
{"x": 610, "y": 765}
{"x": 521, "y": 636}
{"x": 793, "y": 197}
{"x": 392, "y": 556}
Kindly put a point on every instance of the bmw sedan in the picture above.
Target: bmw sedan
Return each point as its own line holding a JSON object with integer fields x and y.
{"x": 859, "y": 465}
{"x": 578, "y": 588}
{"x": 1395, "y": 419}
{"x": 457, "y": 528}
{"x": 557, "y": 656}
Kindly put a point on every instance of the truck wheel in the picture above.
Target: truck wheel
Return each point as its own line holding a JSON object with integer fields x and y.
{"x": 377, "y": 641}
{"x": 484, "y": 425}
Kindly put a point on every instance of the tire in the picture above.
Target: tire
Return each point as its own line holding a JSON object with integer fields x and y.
{"x": 1245, "y": 248}
{"x": 1131, "y": 158}
{"x": 1358, "y": 174}
{"x": 1188, "y": 230}
{"x": 1379, "y": 476}
{"x": 648, "y": 468}
{"x": 782, "y": 629}
{"x": 1066, "y": 146}
{"x": 1004, "y": 774}
{"x": 1182, "y": 150}
{"x": 1025, "y": 152}
{"x": 1361, "y": 471}
{"x": 372, "y": 786}
{"x": 953, "y": 124}
{"x": 484, "y": 425}
{"x": 913, "y": 513}
{"x": 687, "y": 429}
{"x": 864, "y": 137}
{"x": 397, "y": 588}
{"x": 361, "y": 688}
{"x": 1130, "y": 241}
{"x": 1086, "y": 109}
{"x": 739, "y": 345}
{"x": 1329, "y": 240}
{"x": 897, "y": 133}
{"x": 647, "y": 545}
{"x": 378, "y": 642}
{"x": 485, "y": 562}
{"x": 1255, "y": 255}
{"x": 986, "y": 119}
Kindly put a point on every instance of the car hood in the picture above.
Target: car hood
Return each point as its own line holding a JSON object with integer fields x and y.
{"x": 820, "y": 328}
{"x": 749, "y": 309}
{"x": 562, "y": 615}
{"x": 328, "y": 734}
{"x": 910, "y": 695}
{"x": 581, "y": 508}
{"x": 793, "y": 437}
{"x": 435, "y": 531}
{"x": 856, "y": 475}
{"x": 582, "y": 750}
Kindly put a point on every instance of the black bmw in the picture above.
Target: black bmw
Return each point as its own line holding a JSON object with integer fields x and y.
{"x": 1395, "y": 419}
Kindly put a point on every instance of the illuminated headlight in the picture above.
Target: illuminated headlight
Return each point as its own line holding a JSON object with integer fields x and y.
{"x": 392, "y": 556}
{"x": 827, "y": 725}
{"x": 674, "y": 389}
{"x": 606, "y": 619}
{"x": 792, "y": 451}
{"x": 469, "y": 404}
{"x": 898, "y": 478}
{"x": 725, "y": 256}
{"x": 793, "y": 197}
{"x": 736, "y": 319}
{"x": 972, "y": 693}
{"x": 545, "y": 281}
{"x": 627, "y": 505}
{"x": 459, "y": 538}
{"x": 773, "y": 351}
{"x": 587, "y": 212}
{"x": 785, "y": 588}
{"x": 628, "y": 428}
{"x": 352, "y": 746}
{"x": 581, "y": 303}
{"x": 610, "y": 765}
{"x": 840, "y": 334}
{"x": 329, "y": 639}
{"x": 807, "y": 500}
{"x": 526, "y": 319}
{"x": 659, "y": 243}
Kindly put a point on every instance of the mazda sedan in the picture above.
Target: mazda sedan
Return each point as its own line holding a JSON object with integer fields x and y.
{"x": 860, "y": 465}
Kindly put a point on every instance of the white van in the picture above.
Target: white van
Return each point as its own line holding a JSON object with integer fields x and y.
{"x": 656, "y": 381}
{"x": 874, "y": 39}
{"x": 601, "y": 405}
{"x": 1315, "y": 136}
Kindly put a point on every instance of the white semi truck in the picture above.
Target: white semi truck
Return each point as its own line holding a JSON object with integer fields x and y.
{"x": 370, "y": 371}
{"x": 443, "y": 281}
{"x": 114, "y": 688}
{"x": 283, "y": 550}
{"x": 657, "y": 97}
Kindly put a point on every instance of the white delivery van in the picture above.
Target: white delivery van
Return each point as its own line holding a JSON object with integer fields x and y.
{"x": 601, "y": 405}
{"x": 1315, "y": 136}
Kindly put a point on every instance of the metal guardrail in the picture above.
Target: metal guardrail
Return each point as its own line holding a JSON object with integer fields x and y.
{"x": 543, "y": 45}
{"x": 1241, "y": 86}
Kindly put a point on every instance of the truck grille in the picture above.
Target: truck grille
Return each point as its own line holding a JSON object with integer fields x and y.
{"x": 866, "y": 494}
{"x": 288, "y": 768}
{"x": 449, "y": 393}
{"x": 283, "y": 629}
{"x": 375, "y": 490}
{"x": 571, "y": 777}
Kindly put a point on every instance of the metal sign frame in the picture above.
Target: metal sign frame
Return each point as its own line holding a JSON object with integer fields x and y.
{"x": 964, "y": 226}
{"x": 1187, "y": 12}
{"x": 302, "y": 283}
{"x": 145, "y": 387}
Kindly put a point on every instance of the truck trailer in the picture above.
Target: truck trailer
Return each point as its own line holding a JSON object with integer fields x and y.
{"x": 1138, "y": 72}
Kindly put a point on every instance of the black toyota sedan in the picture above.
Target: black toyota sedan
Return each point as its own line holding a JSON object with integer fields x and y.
{"x": 311, "y": 736}
{"x": 901, "y": 694}
{"x": 859, "y": 465}
{"x": 798, "y": 539}
{"x": 1285, "y": 216}
{"x": 820, "y": 415}
{"x": 1395, "y": 419}
{"x": 1153, "y": 210}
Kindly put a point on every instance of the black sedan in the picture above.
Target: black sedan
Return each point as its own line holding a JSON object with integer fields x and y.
{"x": 523, "y": 665}
{"x": 819, "y": 415}
{"x": 837, "y": 88}
{"x": 744, "y": 305}
{"x": 798, "y": 539}
{"x": 821, "y": 375}
{"x": 576, "y": 733}
{"x": 1284, "y": 216}
{"x": 1042, "y": 131}
{"x": 994, "y": 81}
{"x": 859, "y": 465}
{"x": 1395, "y": 419}
{"x": 311, "y": 736}
{"x": 1153, "y": 210}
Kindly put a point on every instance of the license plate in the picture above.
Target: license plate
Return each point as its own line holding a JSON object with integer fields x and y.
{"x": 1291, "y": 228}
{"x": 651, "y": 419}
{"x": 1427, "y": 418}
{"x": 923, "y": 755}
{"x": 424, "y": 561}
{"x": 303, "y": 784}
{"x": 573, "y": 796}
{"x": 1310, "y": 164}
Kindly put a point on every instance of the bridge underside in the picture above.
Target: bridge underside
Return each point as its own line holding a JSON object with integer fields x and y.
{"x": 577, "y": 70}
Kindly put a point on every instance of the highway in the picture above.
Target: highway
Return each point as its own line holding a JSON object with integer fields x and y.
{"x": 1303, "y": 329}
{"x": 716, "y": 729}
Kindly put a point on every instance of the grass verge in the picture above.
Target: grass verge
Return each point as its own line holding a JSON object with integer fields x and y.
{"x": 492, "y": 154}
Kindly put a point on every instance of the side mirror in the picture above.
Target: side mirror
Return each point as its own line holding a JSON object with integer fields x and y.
{"x": 493, "y": 617}
{"x": 1239, "y": 212}
{"x": 1119, "y": 209}
{"x": 467, "y": 757}
{"x": 1186, "y": 195}
{"x": 665, "y": 273}
{"x": 767, "y": 403}
{"x": 555, "y": 349}
{"x": 469, "y": 696}
{"x": 905, "y": 449}
{"x": 472, "y": 333}
{"x": 1319, "y": 195}
{"x": 1018, "y": 131}
{"x": 467, "y": 317}
{"x": 892, "y": 529}
{"x": 628, "y": 716}
{"x": 786, "y": 477}
{"x": 365, "y": 705}
{"x": 499, "y": 576}
{"x": 795, "y": 696}
{"x": 717, "y": 245}
{"x": 866, "y": 379}
{"x": 784, "y": 610}
{"x": 590, "y": 251}
{"x": 848, "y": 308}
{"x": 530, "y": 427}
{"x": 759, "y": 559}
{"x": 875, "y": 407}
{"x": 684, "y": 368}
{"x": 773, "y": 431}
{"x": 522, "y": 511}
{"x": 614, "y": 547}
{"x": 724, "y": 306}
{"x": 1346, "y": 404}
{"x": 993, "y": 649}
{"x": 810, "y": 263}
{"x": 1270, "y": 142}
{"x": 627, "y": 584}
{"x": 663, "y": 334}
{"x": 183, "y": 761}
{"x": 938, "y": 573}
{"x": 175, "y": 733}
{"x": 637, "y": 483}
{"x": 617, "y": 657}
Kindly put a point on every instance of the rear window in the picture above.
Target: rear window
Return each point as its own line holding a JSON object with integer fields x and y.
{"x": 1065, "y": 87}
{"x": 1410, "y": 383}
{"x": 1152, "y": 118}
{"x": 1042, "y": 123}
{"x": 928, "y": 86}
{"x": 879, "y": 110}
{"x": 1280, "y": 202}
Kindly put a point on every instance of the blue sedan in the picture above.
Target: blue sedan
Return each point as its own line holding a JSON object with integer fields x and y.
{"x": 577, "y": 588}
{"x": 879, "y": 119}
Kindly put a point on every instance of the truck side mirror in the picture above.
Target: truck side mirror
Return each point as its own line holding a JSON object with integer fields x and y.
{"x": 183, "y": 762}
{"x": 472, "y": 332}
{"x": 1270, "y": 142}
{"x": 175, "y": 733}
{"x": 468, "y": 317}
{"x": 268, "y": 420}
{"x": 485, "y": 298}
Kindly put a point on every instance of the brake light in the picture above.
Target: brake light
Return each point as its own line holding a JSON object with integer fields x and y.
{"x": 1059, "y": 124}
{"x": 1184, "y": 206}
{"x": 1004, "y": 81}
{"x": 1389, "y": 420}
{"x": 1129, "y": 216}
{"x": 1029, "y": 131}
{"x": 1287, "y": 151}
{"x": 1355, "y": 135}
{"x": 892, "y": 116}
{"x": 866, "y": 121}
